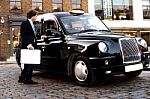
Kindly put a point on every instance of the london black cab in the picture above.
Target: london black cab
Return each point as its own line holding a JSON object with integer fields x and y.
{"x": 82, "y": 46}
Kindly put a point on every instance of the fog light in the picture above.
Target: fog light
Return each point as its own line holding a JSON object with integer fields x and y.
{"x": 106, "y": 62}
{"x": 147, "y": 65}
{"x": 68, "y": 47}
{"x": 107, "y": 72}
{"x": 144, "y": 56}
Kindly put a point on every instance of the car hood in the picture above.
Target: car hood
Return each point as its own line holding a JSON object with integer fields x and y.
{"x": 97, "y": 35}
{"x": 89, "y": 38}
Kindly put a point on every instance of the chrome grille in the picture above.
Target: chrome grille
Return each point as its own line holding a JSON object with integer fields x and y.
{"x": 129, "y": 49}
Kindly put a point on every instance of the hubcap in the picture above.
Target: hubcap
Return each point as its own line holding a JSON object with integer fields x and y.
{"x": 81, "y": 71}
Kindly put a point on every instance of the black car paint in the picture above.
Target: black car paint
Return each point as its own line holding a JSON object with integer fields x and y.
{"x": 57, "y": 58}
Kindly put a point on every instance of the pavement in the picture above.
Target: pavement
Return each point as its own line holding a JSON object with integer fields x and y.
{"x": 8, "y": 62}
{"x": 58, "y": 86}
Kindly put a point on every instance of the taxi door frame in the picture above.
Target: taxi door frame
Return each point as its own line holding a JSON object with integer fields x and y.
{"x": 51, "y": 51}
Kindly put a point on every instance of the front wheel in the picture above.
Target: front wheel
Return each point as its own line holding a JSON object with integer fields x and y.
{"x": 133, "y": 73}
{"x": 82, "y": 71}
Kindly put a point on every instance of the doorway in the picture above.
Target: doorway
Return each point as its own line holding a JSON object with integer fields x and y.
{"x": 15, "y": 38}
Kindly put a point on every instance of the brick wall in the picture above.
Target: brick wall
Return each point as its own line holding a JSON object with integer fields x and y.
{"x": 4, "y": 37}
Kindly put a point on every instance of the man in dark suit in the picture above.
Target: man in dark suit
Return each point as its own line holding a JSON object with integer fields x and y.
{"x": 28, "y": 41}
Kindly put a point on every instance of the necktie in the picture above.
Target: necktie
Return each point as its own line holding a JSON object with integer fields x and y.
{"x": 33, "y": 27}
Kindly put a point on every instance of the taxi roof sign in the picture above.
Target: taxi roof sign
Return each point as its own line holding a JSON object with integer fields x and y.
{"x": 76, "y": 11}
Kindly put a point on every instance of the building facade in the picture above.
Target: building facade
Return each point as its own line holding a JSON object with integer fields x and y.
{"x": 131, "y": 17}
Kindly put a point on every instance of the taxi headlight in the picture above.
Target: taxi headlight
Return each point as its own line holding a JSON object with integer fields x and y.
{"x": 102, "y": 47}
{"x": 142, "y": 42}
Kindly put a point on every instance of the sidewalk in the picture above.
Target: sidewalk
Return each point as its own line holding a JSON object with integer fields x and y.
{"x": 8, "y": 62}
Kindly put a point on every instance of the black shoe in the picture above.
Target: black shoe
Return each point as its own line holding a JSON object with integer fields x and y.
{"x": 21, "y": 80}
{"x": 30, "y": 82}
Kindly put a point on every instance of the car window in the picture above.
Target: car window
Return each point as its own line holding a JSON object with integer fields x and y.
{"x": 76, "y": 24}
{"x": 51, "y": 24}
{"x": 48, "y": 25}
{"x": 37, "y": 25}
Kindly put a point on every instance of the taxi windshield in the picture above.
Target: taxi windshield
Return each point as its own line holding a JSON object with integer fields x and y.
{"x": 83, "y": 23}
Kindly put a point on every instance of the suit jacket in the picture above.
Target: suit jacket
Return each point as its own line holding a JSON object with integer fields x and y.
{"x": 27, "y": 35}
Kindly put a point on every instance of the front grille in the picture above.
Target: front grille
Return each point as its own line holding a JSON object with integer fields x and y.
{"x": 129, "y": 49}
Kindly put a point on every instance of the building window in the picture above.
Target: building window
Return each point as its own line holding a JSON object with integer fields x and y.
{"x": 57, "y": 5}
{"x": 146, "y": 9}
{"x": 107, "y": 9}
{"x": 37, "y": 5}
{"x": 76, "y": 4}
{"x": 15, "y": 5}
{"x": 122, "y": 10}
{"x": 99, "y": 9}
{"x": 114, "y": 9}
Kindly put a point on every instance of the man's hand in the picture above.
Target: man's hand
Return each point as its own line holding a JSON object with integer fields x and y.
{"x": 30, "y": 47}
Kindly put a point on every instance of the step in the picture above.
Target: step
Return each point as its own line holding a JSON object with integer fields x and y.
{"x": 11, "y": 59}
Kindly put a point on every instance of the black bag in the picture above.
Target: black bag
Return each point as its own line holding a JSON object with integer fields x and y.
{"x": 18, "y": 52}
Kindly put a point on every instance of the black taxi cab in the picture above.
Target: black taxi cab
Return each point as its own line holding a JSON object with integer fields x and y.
{"x": 83, "y": 47}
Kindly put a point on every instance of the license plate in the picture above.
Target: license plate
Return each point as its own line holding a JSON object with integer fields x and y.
{"x": 134, "y": 67}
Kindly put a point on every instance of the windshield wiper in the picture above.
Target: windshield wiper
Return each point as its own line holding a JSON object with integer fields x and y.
{"x": 105, "y": 30}
{"x": 89, "y": 30}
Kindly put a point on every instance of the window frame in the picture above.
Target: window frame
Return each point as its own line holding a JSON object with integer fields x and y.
{"x": 146, "y": 9}
{"x": 14, "y": 6}
{"x": 58, "y": 5}
{"x": 75, "y": 4}
{"x": 109, "y": 10}
{"x": 37, "y": 3}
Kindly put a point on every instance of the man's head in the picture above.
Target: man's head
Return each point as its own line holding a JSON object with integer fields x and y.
{"x": 32, "y": 14}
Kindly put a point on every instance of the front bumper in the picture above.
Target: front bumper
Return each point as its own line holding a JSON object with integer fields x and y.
{"x": 112, "y": 65}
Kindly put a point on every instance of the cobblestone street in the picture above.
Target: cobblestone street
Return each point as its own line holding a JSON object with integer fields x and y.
{"x": 62, "y": 87}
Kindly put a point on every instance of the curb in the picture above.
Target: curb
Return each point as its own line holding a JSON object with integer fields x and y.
{"x": 7, "y": 62}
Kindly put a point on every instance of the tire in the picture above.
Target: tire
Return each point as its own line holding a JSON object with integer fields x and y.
{"x": 133, "y": 73}
{"x": 82, "y": 72}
